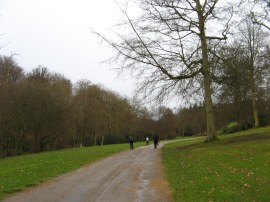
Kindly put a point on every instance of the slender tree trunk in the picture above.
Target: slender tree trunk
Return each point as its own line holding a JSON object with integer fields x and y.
{"x": 253, "y": 86}
{"x": 183, "y": 129}
{"x": 95, "y": 140}
{"x": 254, "y": 106}
{"x": 238, "y": 107}
{"x": 211, "y": 131}
{"x": 102, "y": 139}
{"x": 3, "y": 146}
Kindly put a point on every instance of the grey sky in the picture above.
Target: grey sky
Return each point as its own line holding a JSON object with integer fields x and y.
{"x": 56, "y": 34}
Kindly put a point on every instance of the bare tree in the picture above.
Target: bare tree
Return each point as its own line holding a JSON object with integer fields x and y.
{"x": 260, "y": 12}
{"x": 254, "y": 40}
{"x": 233, "y": 83}
{"x": 167, "y": 47}
{"x": 10, "y": 74}
{"x": 9, "y": 70}
{"x": 166, "y": 123}
{"x": 47, "y": 104}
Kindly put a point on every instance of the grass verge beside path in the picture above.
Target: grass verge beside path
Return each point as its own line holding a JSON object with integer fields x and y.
{"x": 18, "y": 173}
{"x": 235, "y": 168}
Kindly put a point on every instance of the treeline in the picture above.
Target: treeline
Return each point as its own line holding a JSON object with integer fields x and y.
{"x": 41, "y": 111}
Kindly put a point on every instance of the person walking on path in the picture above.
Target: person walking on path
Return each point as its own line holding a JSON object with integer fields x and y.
{"x": 147, "y": 140}
{"x": 156, "y": 140}
{"x": 131, "y": 143}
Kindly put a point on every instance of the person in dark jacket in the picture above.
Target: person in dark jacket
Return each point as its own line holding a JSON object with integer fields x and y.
{"x": 156, "y": 140}
{"x": 131, "y": 141}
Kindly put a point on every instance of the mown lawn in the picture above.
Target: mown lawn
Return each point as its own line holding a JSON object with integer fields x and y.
{"x": 235, "y": 168}
{"x": 18, "y": 173}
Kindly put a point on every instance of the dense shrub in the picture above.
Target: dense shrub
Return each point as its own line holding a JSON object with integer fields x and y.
{"x": 263, "y": 120}
{"x": 230, "y": 128}
{"x": 246, "y": 125}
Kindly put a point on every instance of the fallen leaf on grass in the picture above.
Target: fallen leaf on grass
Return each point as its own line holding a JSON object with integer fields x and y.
{"x": 246, "y": 185}
{"x": 250, "y": 173}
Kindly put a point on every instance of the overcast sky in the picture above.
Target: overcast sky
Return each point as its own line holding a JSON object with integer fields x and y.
{"x": 56, "y": 34}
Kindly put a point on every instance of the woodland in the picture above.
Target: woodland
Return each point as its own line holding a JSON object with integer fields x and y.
{"x": 223, "y": 76}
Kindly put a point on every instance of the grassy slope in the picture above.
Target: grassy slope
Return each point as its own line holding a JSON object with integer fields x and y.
{"x": 17, "y": 173}
{"x": 236, "y": 168}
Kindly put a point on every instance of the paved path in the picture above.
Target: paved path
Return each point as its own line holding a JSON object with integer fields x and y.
{"x": 129, "y": 176}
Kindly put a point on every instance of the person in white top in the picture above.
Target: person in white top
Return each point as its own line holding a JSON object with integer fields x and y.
{"x": 147, "y": 140}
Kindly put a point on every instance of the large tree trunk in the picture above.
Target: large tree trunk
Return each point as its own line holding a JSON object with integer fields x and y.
{"x": 211, "y": 131}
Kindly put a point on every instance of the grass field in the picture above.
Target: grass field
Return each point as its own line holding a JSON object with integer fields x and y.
{"x": 235, "y": 168}
{"x": 18, "y": 173}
